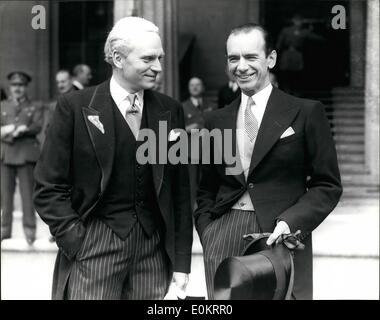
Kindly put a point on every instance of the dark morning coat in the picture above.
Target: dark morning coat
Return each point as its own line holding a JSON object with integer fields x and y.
{"x": 295, "y": 179}
{"x": 75, "y": 167}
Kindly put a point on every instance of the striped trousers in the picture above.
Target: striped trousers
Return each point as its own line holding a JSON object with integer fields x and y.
{"x": 223, "y": 238}
{"x": 108, "y": 268}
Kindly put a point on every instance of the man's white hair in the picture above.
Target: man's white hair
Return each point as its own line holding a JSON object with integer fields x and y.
{"x": 122, "y": 33}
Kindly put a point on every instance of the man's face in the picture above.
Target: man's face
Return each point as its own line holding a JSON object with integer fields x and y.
{"x": 63, "y": 80}
{"x": 195, "y": 87}
{"x": 247, "y": 61}
{"x": 141, "y": 65}
{"x": 85, "y": 76}
{"x": 17, "y": 90}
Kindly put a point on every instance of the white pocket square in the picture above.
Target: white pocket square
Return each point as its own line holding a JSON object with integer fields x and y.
{"x": 96, "y": 122}
{"x": 288, "y": 132}
{"x": 173, "y": 136}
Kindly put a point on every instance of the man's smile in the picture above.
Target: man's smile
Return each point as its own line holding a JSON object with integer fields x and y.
{"x": 245, "y": 77}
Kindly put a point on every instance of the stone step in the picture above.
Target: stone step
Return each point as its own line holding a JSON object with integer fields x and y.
{"x": 347, "y": 99}
{"x": 348, "y": 130}
{"x": 352, "y": 169}
{"x": 350, "y": 148}
{"x": 340, "y": 113}
{"x": 347, "y": 121}
{"x": 350, "y": 138}
{"x": 348, "y": 105}
{"x": 357, "y": 192}
{"x": 350, "y": 158}
{"x": 357, "y": 181}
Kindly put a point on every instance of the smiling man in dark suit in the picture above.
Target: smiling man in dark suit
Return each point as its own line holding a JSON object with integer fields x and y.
{"x": 290, "y": 179}
{"x": 122, "y": 227}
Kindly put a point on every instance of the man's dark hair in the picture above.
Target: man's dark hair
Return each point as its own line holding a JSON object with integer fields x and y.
{"x": 248, "y": 27}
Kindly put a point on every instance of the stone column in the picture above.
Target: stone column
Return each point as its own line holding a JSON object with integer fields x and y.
{"x": 372, "y": 91}
{"x": 357, "y": 42}
{"x": 164, "y": 14}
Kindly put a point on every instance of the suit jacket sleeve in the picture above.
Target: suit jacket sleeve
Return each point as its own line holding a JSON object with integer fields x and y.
{"x": 324, "y": 186}
{"x": 182, "y": 211}
{"x": 52, "y": 193}
{"x": 207, "y": 190}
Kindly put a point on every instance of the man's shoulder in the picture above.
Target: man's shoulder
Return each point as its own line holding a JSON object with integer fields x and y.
{"x": 83, "y": 97}
{"x": 75, "y": 95}
{"x": 303, "y": 103}
{"x": 214, "y": 114}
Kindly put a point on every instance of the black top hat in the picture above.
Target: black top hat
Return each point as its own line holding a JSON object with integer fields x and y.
{"x": 262, "y": 273}
{"x": 19, "y": 77}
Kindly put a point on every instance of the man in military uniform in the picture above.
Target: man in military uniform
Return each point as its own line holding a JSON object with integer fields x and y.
{"x": 21, "y": 121}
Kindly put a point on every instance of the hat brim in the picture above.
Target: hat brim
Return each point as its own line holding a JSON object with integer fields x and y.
{"x": 262, "y": 273}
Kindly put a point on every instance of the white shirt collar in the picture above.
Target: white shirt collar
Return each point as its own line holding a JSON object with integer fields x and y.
{"x": 233, "y": 85}
{"x": 78, "y": 84}
{"x": 261, "y": 98}
{"x": 196, "y": 101}
{"x": 119, "y": 94}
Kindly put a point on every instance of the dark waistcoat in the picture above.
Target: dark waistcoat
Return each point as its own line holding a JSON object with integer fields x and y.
{"x": 130, "y": 194}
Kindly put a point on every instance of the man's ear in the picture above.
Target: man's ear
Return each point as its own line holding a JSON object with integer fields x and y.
{"x": 117, "y": 59}
{"x": 271, "y": 59}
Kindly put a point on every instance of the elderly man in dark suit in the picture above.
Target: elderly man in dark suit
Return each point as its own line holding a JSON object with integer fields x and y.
{"x": 122, "y": 227}
{"x": 289, "y": 179}
{"x": 21, "y": 121}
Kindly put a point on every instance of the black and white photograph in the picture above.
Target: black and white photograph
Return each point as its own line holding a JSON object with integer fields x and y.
{"x": 174, "y": 150}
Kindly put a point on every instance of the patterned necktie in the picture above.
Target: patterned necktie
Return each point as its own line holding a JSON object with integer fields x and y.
{"x": 133, "y": 115}
{"x": 251, "y": 124}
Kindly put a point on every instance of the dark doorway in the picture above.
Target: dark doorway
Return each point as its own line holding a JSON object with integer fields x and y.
{"x": 325, "y": 52}
{"x": 83, "y": 29}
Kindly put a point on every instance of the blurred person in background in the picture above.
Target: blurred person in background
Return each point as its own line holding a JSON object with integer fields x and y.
{"x": 21, "y": 121}
{"x": 64, "y": 82}
{"x": 82, "y": 76}
{"x": 194, "y": 108}
{"x": 229, "y": 92}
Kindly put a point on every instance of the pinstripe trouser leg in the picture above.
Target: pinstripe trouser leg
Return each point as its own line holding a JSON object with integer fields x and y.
{"x": 108, "y": 268}
{"x": 224, "y": 238}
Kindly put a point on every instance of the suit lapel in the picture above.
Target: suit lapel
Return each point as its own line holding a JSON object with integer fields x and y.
{"x": 277, "y": 118}
{"x": 228, "y": 120}
{"x": 156, "y": 113}
{"x": 100, "y": 106}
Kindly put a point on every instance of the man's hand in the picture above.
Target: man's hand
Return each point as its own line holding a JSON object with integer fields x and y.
{"x": 281, "y": 228}
{"x": 7, "y": 129}
{"x": 19, "y": 129}
{"x": 192, "y": 126}
{"x": 181, "y": 279}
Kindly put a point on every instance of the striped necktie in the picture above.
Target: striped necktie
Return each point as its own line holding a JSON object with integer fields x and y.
{"x": 133, "y": 115}
{"x": 251, "y": 124}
